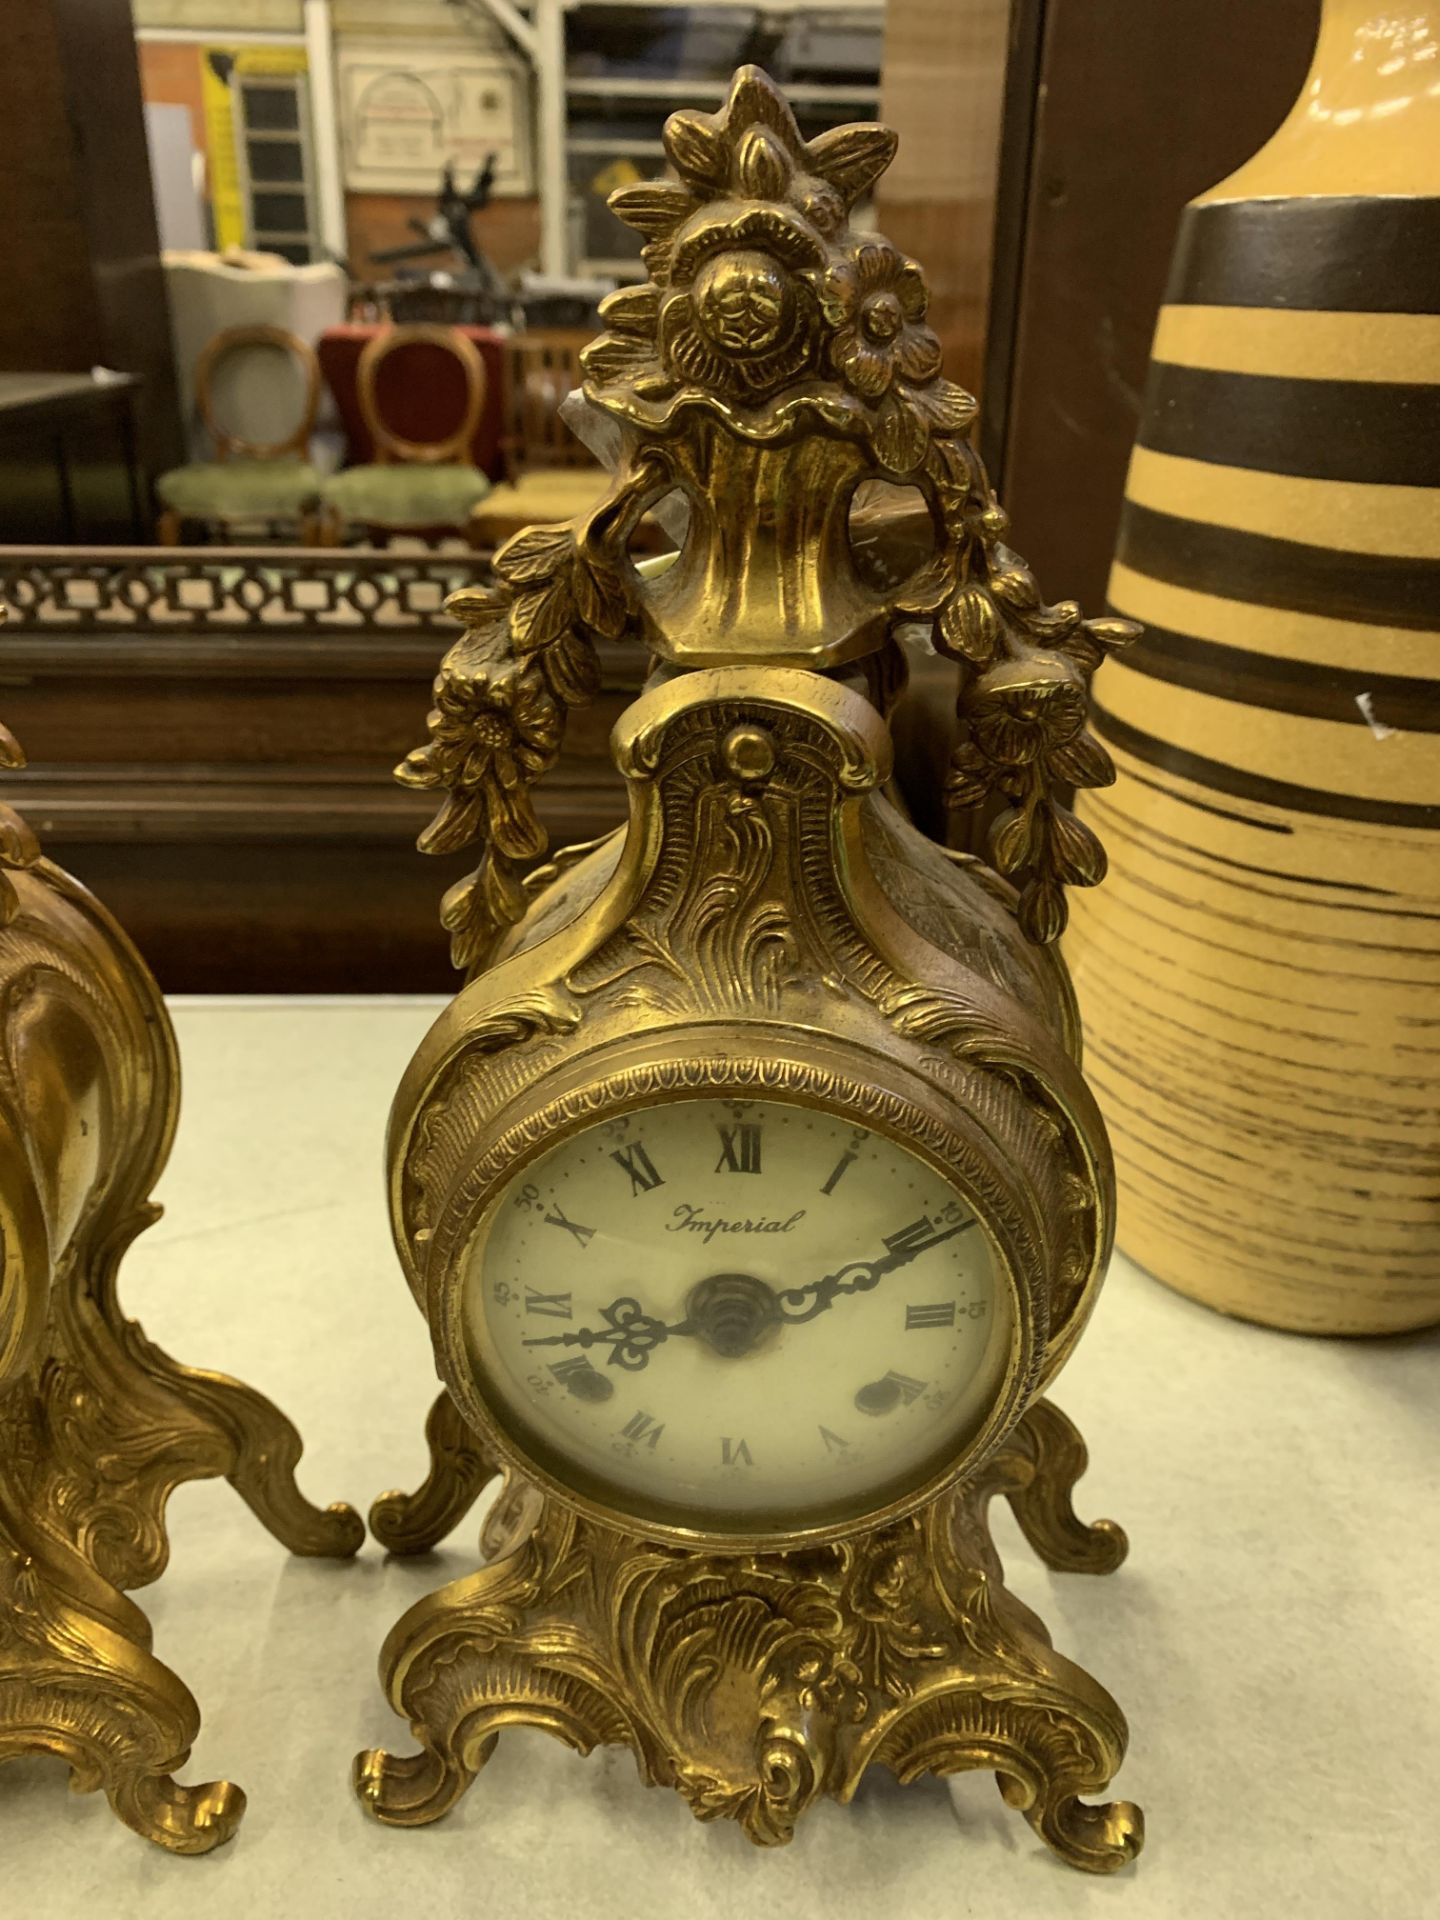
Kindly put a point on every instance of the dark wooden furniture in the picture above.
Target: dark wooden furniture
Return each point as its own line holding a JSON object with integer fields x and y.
{"x": 1117, "y": 112}
{"x": 69, "y": 463}
{"x": 549, "y": 473}
{"x": 211, "y": 734}
{"x": 83, "y": 281}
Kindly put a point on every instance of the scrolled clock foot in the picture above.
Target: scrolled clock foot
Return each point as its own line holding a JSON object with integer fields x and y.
{"x": 459, "y": 1472}
{"x": 1002, "y": 1698}
{"x": 265, "y": 1451}
{"x": 1046, "y": 1458}
{"x": 1095, "y": 1838}
{"x": 179, "y": 1818}
{"x": 218, "y": 1425}
{"x": 411, "y": 1790}
{"x": 499, "y": 1648}
{"x": 1048, "y": 1738}
{"x": 78, "y": 1681}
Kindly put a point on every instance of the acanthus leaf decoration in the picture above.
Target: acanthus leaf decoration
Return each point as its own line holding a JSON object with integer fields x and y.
{"x": 757, "y": 1685}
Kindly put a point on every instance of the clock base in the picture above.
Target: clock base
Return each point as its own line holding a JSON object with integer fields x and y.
{"x": 756, "y": 1683}
{"x": 78, "y": 1680}
{"x": 97, "y": 1425}
{"x": 93, "y": 1441}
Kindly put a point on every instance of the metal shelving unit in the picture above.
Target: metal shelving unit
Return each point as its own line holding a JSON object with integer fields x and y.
{"x": 608, "y": 72}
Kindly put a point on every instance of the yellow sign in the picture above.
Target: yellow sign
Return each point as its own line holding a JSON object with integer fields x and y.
{"x": 219, "y": 68}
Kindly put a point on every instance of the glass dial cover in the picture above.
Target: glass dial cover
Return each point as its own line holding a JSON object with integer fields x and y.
{"x": 736, "y": 1315}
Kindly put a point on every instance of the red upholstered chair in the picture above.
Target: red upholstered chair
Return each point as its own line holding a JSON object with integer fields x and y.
{"x": 425, "y": 487}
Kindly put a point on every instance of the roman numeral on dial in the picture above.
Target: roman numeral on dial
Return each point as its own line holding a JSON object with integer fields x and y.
{"x": 735, "y": 1453}
{"x": 635, "y": 1161}
{"x": 834, "y": 1445}
{"x": 942, "y": 1314}
{"x": 838, "y": 1172}
{"x": 577, "y": 1376}
{"x": 643, "y": 1426}
{"x": 557, "y": 1305}
{"x": 917, "y": 1234}
{"x": 739, "y": 1148}
{"x": 556, "y": 1218}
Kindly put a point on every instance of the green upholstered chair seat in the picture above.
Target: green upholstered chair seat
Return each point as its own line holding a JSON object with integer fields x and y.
{"x": 407, "y": 496}
{"x": 240, "y": 489}
{"x": 549, "y": 493}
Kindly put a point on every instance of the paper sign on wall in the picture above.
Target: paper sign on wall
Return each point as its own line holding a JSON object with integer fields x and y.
{"x": 407, "y": 109}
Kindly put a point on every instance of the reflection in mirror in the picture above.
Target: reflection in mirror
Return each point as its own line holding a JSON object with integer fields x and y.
{"x": 663, "y": 529}
{"x": 892, "y": 533}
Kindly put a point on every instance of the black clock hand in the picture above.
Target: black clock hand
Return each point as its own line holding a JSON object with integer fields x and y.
{"x": 798, "y": 1304}
{"x": 632, "y": 1334}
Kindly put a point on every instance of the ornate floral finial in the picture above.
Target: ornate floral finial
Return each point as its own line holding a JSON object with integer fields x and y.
{"x": 763, "y": 304}
{"x": 775, "y": 359}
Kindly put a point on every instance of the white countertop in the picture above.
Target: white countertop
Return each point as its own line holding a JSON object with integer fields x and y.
{"x": 1274, "y": 1638}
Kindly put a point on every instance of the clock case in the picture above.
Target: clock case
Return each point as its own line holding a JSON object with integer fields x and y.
{"x": 767, "y": 925}
{"x": 789, "y": 960}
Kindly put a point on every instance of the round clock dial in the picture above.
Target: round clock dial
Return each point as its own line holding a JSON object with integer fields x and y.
{"x": 737, "y": 1313}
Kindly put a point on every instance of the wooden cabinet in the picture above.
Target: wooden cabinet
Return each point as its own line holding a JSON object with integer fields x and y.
{"x": 68, "y": 462}
{"x": 211, "y": 735}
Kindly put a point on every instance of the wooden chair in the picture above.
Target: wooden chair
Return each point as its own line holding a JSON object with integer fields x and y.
{"x": 247, "y": 483}
{"x": 426, "y": 488}
{"x": 549, "y": 474}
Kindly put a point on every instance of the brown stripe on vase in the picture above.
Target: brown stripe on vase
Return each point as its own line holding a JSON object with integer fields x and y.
{"x": 1260, "y": 974}
{"x": 1354, "y": 696}
{"x": 1239, "y": 565}
{"x": 1347, "y": 254}
{"x": 1367, "y": 430}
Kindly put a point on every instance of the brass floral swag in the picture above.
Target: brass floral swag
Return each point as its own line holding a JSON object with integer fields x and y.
{"x": 774, "y": 360}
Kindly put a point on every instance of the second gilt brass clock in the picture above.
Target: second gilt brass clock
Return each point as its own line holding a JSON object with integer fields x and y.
{"x": 750, "y": 1184}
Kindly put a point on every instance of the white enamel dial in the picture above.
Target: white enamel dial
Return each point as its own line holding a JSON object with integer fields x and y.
{"x": 741, "y": 1311}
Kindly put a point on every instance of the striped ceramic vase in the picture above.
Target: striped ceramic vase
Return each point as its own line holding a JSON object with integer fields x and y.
{"x": 1259, "y": 977}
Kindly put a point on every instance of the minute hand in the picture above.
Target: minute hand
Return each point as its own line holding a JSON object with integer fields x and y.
{"x": 798, "y": 1304}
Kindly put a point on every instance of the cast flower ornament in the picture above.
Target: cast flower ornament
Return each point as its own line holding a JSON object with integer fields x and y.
{"x": 774, "y": 359}
{"x": 491, "y": 736}
{"x": 763, "y": 305}
{"x": 875, "y": 299}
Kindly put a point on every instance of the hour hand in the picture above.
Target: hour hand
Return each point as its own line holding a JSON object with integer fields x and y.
{"x": 630, "y": 1333}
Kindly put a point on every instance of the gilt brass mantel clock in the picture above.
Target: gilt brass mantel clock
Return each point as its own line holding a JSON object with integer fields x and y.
{"x": 750, "y": 1185}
